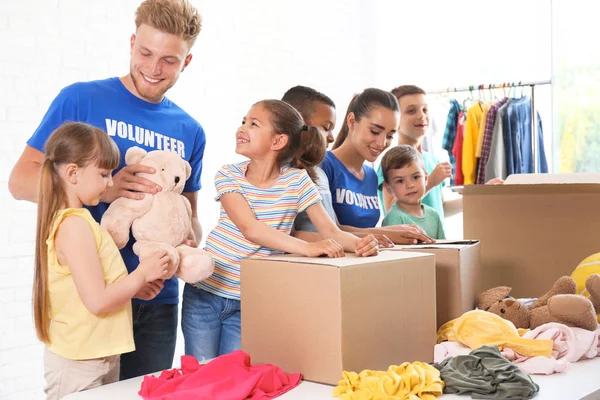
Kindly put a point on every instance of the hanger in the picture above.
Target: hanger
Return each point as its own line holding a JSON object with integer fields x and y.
{"x": 444, "y": 98}
{"x": 481, "y": 97}
{"x": 522, "y": 88}
{"x": 468, "y": 98}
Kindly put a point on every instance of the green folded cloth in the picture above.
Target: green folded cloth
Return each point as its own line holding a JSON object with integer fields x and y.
{"x": 486, "y": 374}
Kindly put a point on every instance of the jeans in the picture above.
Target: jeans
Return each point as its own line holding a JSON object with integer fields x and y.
{"x": 154, "y": 334}
{"x": 210, "y": 323}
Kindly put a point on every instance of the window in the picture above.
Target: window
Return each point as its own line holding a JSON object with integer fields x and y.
{"x": 576, "y": 70}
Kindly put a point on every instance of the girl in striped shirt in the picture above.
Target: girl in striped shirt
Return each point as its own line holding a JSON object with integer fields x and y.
{"x": 260, "y": 199}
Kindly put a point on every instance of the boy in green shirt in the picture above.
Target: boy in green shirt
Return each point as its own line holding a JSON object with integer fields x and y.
{"x": 405, "y": 179}
{"x": 414, "y": 124}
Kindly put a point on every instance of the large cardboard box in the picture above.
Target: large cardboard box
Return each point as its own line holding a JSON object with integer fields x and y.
{"x": 321, "y": 316}
{"x": 457, "y": 266}
{"x": 531, "y": 234}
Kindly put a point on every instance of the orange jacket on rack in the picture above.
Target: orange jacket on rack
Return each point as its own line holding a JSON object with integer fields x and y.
{"x": 469, "y": 150}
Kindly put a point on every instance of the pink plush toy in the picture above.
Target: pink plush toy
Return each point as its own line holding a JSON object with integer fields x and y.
{"x": 160, "y": 221}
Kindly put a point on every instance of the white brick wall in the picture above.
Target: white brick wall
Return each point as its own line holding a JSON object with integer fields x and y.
{"x": 247, "y": 51}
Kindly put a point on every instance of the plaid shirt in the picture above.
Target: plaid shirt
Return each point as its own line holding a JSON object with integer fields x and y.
{"x": 450, "y": 132}
{"x": 487, "y": 140}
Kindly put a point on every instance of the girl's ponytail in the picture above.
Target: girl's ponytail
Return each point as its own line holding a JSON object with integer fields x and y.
{"x": 343, "y": 133}
{"x": 305, "y": 147}
{"x": 311, "y": 150}
{"x": 51, "y": 197}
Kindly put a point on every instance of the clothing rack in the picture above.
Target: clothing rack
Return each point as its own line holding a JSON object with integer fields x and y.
{"x": 532, "y": 85}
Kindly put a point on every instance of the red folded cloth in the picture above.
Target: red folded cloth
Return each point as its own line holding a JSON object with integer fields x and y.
{"x": 228, "y": 377}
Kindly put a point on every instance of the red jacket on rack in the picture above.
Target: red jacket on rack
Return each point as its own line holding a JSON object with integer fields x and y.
{"x": 457, "y": 149}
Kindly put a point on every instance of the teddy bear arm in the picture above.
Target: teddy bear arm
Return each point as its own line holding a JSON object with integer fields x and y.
{"x": 190, "y": 234}
{"x": 195, "y": 264}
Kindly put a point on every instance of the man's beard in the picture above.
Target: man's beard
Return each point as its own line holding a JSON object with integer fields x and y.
{"x": 153, "y": 98}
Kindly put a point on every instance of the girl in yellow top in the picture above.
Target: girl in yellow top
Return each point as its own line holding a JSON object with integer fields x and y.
{"x": 81, "y": 290}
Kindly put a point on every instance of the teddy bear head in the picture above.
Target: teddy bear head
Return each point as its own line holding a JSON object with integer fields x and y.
{"x": 497, "y": 301}
{"x": 171, "y": 170}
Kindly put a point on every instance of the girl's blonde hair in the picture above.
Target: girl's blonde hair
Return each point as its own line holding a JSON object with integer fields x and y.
{"x": 72, "y": 143}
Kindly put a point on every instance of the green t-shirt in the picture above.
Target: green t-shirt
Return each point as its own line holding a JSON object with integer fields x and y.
{"x": 430, "y": 222}
{"x": 433, "y": 198}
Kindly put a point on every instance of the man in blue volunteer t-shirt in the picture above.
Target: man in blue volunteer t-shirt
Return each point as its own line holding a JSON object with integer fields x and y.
{"x": 134, "y": 111}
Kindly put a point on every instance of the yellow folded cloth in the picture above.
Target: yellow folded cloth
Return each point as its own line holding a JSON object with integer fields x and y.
{"x": 407, "y": 381}
{"x": 478, "y": 328}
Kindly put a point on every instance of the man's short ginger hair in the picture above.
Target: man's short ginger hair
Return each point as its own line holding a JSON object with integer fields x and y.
{"x": 177, "y": 17}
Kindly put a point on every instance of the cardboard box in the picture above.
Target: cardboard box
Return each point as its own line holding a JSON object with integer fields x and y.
{"x": 457, "y": 265}
{"x": 321, "y": 316}
{"x": 531, "y": 234}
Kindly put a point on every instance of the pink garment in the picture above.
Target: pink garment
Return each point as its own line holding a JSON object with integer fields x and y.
{"x": 537, "y": 365}
{"x": 444, "y": 350}
{"x": 570, "y": 345}
{"x": 589, "y": 342}
{"x": 230, "y": 376}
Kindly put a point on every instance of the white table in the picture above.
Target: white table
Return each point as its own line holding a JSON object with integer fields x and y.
{"x": 580, "y": 381}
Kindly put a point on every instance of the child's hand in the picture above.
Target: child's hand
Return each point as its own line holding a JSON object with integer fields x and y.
{"x": 191, "y": 243}
{"x": 495, "y": 181}
{"x": 407, "y": 234}
{"x": 367, "y": 246}
{"x": 383, "y": 240}
{"x": 155, "y": 267}
{"x": 328, "y": 247}
{"x": 150, "y": 290}
{"x": 441, "y": 171}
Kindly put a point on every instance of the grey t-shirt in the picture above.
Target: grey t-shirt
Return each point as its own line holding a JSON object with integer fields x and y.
{"x": 302, "y": 222}
{"x": 496, "y": 163}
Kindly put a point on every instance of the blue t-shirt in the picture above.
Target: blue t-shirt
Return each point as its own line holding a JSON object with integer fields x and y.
{"x": 354, "y": 201}
{"x": 130, "y": 121}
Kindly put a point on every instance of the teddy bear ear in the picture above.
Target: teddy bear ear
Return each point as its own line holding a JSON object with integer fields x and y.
{"x": 134, "y": 155}
{"x": 188, "y": 170}
{"x": 491, "y": 296}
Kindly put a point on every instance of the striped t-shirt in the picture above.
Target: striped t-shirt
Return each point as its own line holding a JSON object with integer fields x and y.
{"x": 277, "y": 206}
